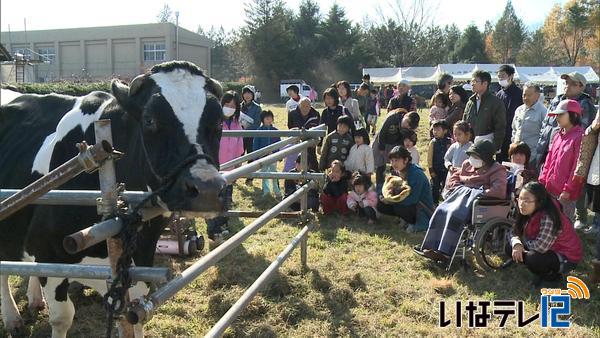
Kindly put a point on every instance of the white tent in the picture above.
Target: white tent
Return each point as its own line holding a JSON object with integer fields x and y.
{"x": 463, "y": 72}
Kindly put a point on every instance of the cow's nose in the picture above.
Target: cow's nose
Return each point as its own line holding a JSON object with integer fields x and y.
{"x": 204, "y": 195}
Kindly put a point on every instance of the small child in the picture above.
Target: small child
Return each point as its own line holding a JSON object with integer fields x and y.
{"x": 266, "y": 118}
{"x": 335, "y": 191}
{"x": 360, "y": 157}
{"x": 438, "y": 147}
{"x": 372, "y": 111}
{"x": 337, "y": 144}
{"x": 457, "y": 153}
{"x": 363, "y": 199}
{"x": 439, "y": 110}
{"x": 410, "y": 143}
{"x": 292, "y": 185}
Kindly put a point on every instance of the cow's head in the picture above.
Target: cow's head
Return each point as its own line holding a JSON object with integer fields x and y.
{"x": 177, "y": 108}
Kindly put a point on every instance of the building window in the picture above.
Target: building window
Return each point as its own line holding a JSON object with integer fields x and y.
{"x": 154, "y": 51}
{"x": 26, "y": 52}
{"x": 47, "y": 54}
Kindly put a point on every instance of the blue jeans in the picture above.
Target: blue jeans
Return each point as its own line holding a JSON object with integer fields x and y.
{"x": 274, "y": 182}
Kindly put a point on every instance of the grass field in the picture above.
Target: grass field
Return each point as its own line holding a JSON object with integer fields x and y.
{"x": 362, "y": 281}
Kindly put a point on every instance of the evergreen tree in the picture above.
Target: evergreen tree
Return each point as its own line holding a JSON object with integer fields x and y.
{"x": 470, "y": 47}
{"x": 508, "y": 35}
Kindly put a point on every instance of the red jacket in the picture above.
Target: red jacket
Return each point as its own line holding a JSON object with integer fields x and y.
{"x": 558, "y": 170}
{"x": 567, "y": 242}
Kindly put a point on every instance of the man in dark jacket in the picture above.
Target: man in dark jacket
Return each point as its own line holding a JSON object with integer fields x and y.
{"x": 574, "y": 90}
{"x": 485, "y": 112}
{"x": 305, "y": 116}
{"x": 403, "y": 100}
{"x": 512, "y": 97}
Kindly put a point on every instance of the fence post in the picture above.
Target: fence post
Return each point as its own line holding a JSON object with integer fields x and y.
{"x": 107, "y": 207}
{"x": 304, "y": 208}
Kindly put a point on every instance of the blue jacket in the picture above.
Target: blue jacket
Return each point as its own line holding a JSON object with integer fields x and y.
{"x": 253, "y": 110}
{"x": 420, "y": 195}
{"x": 261, "y": 142}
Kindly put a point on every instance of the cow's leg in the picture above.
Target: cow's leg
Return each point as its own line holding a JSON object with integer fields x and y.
{"x": 60, "y": 308}
{"x": 35, "y": 298}
{"x": 10, "y": 313}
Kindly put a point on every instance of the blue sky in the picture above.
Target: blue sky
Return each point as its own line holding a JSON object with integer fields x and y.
{"x": 230, "y": 13}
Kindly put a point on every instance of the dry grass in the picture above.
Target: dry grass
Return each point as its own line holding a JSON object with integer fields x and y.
{"x": 362, "y": 281}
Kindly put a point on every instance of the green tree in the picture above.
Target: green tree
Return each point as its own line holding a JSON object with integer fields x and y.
{"x": 309, "y": 40}
{"x": 452, "y": 35}
{"x": 470, "y": 47}
{"x": 535, "y": 51}
{"x": 508, "y": 35}
{"x": 165, "y": 14}
{"x": 268, "y": 39}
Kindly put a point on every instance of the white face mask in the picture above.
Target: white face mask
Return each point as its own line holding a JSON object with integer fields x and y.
{"x": 475, "y": 162}
{"x": 228, "y": 111}
{"x": 503, "y": 83}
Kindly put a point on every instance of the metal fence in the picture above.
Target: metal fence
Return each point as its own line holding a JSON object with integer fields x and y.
{"x": 101, "y": 156}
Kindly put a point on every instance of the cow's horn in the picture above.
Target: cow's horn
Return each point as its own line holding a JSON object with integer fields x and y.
{"x": 136, "y": 84}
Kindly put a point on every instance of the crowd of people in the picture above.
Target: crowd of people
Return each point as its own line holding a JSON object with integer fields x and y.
{"x": 476, "y": 141}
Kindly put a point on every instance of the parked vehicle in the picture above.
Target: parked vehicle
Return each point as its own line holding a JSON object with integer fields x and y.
{"x": 305, "y": 89}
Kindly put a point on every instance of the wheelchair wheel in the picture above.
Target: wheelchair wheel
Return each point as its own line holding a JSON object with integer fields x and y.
{"x": 491, "y": 242}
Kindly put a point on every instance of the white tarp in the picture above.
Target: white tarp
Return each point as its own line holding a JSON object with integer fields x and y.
{"x": 384, "y": 75}
{"x": 462, "y": 72}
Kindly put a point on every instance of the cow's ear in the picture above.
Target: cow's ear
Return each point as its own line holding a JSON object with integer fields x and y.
{"x": 122, "y": 92}
{"x": 214, "y": 87}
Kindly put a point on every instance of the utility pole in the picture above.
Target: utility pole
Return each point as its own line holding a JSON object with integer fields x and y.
{"x": 177, "y": 35}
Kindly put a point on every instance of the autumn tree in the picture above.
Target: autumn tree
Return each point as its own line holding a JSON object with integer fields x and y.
{"x": 568, "y": 28}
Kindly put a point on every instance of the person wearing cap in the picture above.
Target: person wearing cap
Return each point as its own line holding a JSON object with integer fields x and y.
{"x": 402, "y": 99}
{"x": 557, "y": 174}
{"x": 512, "y": 97}
{"x": 485, "y": 112}
{"x": 479, "y": 177}
{"x": 527, "y": 122}
{"x": 337, "y": 144}
{"x": 574, "y": 90}
{"x": 249, "y": 117}
{"x": 293, "y": 92}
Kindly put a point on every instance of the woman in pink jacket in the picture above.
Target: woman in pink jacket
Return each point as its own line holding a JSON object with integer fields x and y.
{"x": 229, "y": 148}
{"x": 558, "y": 171}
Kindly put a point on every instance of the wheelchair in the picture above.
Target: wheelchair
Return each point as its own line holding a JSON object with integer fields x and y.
{"x": 488, "y": 235}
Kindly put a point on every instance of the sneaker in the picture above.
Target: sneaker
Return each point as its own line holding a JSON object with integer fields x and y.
{"x": 591, "y": 230}
{"x": 579, "y": 225}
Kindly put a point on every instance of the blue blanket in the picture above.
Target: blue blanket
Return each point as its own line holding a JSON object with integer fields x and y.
{"x": 448, "y": 220}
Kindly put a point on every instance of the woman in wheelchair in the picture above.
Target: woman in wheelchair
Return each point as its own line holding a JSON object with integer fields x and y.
{"x": 479, "y": 177}
{"x": 543, "y": 237}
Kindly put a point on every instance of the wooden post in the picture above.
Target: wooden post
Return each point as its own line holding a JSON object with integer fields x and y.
{"x": 107, "y": 207}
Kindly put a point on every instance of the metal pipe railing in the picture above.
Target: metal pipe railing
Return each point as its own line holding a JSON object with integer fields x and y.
{"x": 88, "y": 159}
{"x": 258, "y": 153}
{"x": 83, "y": 271}
{"x": 244, "y": 170}
{"x": 76, "y": 197}
{"x": 270, "y": 148}
{"x": 259, "y": 283}
{"x": 302, "y": 133}
{"x": 144, "y": 310}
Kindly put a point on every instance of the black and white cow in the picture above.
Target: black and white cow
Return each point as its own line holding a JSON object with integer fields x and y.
{"x": 173, "y": 112}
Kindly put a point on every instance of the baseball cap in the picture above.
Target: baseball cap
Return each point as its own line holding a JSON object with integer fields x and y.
{"x": 575, "y": 76}
{"x": 566, "y": 106}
